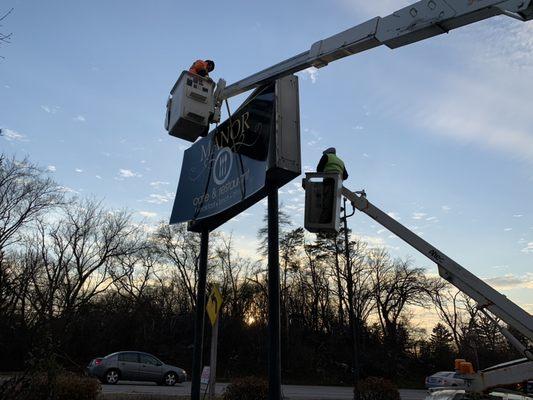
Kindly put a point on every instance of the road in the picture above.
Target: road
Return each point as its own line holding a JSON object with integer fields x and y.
{"x": 293, "y": 392}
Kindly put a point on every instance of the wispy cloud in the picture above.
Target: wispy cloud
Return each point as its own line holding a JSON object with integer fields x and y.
{"x": 312, "y": 137}
{"x": 79, "y": 118}
{"x": 158, "y": 184}
{"x": 51, "y": 168}
{"x": 511, "y": 281}
{"x": 128, "y": 173}
{"x": 311, "y": 73}
{"x": 493, "y": 109}
{"x": 12, "y": 135}
{"x": 147, "y": 214}
{"x": 528, "y": 249}
{"x": 418, "y": 215}
{"x": 500, "y": 267}
{"x": 50, "y": 109}
{"x": 66, "y": 189}
{"x": 479, "y": 116}
{"x": 78, "y": 170}
{"x": 158, "y": 198}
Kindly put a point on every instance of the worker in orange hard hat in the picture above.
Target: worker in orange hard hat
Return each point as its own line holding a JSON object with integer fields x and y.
{"x": 202, "y": 68}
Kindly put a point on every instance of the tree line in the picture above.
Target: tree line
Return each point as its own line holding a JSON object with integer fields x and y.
{"x": 79, "y": 280}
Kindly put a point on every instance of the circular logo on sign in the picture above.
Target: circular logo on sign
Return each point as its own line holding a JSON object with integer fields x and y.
{"x": 222, "y": 166}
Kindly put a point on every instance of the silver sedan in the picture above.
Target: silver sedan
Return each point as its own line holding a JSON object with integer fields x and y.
{"x": 135, "y": 366}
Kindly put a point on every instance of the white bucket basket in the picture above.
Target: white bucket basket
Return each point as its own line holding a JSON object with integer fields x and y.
{"x": 322, "y": 202}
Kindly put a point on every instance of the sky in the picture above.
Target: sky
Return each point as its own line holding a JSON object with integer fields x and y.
{"x": 438, "y": 133}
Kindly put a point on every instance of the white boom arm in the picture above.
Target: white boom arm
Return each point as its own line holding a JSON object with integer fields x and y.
{"x": 413, "y": 23}
{"x": 486, "y": 297}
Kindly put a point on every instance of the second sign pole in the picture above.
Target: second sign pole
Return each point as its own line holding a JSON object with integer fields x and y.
{"x": 213, "y": 362}
{"x": 274, "y": 350}
{"x": 200, "y": 317}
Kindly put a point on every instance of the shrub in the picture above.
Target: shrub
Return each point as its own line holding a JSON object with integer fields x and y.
{"x": 249, "y": 388}
{"x": 373, "y": 388}
{"x": 76, "y": 387}
{"x": 64, "y": 386}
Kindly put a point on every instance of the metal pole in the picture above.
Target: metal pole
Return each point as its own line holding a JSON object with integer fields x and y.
{"x": 213, "y": 362}
{"x": 274, "y": 350}
{"x": 199, "y": 318}
{"x": 352, "y": 318}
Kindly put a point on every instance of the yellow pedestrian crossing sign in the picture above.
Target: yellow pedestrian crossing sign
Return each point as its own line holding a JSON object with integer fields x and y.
{"x": 214, "y": 303}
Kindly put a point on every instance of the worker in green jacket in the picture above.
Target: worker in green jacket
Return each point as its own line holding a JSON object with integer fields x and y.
{"x": 330, "y": 163}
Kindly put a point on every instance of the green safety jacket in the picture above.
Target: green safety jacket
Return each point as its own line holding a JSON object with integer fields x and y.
{"x": 331, "y": 163}
{"x": 334, "y": 164}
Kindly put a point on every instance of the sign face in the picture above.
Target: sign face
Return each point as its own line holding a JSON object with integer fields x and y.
{"x": 226, "y": 172}
{"x": 214, "y": 303}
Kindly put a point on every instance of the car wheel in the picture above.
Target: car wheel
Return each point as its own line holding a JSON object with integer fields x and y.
{"x": 111, "y": 377}
{"x": 170, "y": 379}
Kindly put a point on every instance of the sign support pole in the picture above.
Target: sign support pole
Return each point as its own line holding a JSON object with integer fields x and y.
{"x": 274, "y": 350}
{"x": 353, "y": 320}
{"x": 199, "y": 317}
{"x": 213, "y": 362}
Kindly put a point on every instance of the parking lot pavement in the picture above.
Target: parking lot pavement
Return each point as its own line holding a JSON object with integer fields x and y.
{"x": 293, "y": 392}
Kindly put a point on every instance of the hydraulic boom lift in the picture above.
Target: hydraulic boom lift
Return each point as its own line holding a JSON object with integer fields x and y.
{"x": 196, "y": 103}
{"x": 487, "y": 299}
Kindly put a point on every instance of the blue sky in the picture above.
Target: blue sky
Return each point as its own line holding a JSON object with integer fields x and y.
{"x": 439, "y": 133}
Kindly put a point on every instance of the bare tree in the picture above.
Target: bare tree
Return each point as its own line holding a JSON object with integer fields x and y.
{"x": 136, "y": 272}
{"x": 25, "y": 193}
{"x": 15, "y": 279}
{"x": 327, "y": 248}
{"x": 5, "y": 37}
{"x": 451, "y": 311}
{"x": 397, "y": 284}
{"x": 74, "y": 257}
{"x": 181, "y": 249}
{"x": 233, "y": 271}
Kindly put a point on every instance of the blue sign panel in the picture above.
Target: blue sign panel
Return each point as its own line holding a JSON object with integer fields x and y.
{"x": 225, "y": 172}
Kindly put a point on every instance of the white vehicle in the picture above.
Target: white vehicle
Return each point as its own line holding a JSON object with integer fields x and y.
{"x": 443, "y": 379}
{"x": 461, "y": 394}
